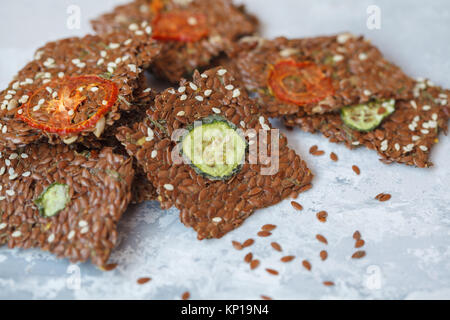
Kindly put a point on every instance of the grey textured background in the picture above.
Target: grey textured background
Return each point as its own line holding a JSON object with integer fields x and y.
{"x": 407, "y": 238}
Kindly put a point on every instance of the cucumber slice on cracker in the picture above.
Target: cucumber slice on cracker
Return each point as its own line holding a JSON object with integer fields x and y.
{"x": 367, "y": 117}
{"x": 53, "y": 199}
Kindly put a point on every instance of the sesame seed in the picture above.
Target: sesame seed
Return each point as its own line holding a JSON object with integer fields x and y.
{"x": 229, "y": 87}
{"x": 154, "y": 154}
{"x": 338, "y": 57}
{"x": 180, "y": 113}
{"x": 265, "y": 127}
{"x": 104, "y": 102}
{"x": 70, "y": 113}
{"x": 114, "y": 45}
{"x": 71, "y": 234}
{"x": 16, "y": 85}
{"x": 182, "y": 89}
{"x": 26, "y": 174}
{"x": 221, "y": 72}
{"x": 423, "y": 148}
{"x": 132, "y": 68}
{"x": 183, "y": 97}
{"x": 10, "y": 193}
{"x": 94, "y": 89}
{"x": 171, "y": 91}
{"x": 204, "y": 75}
{"x": 60, "y": 74}
{"x": 413, "y": 104}
{"x": 148, "y": 30}
{"x": 2, "y": 198}
{"x": 51, "y": 238}
{"x": 236, "y": 93}
{"x": 261, "y": 120}
{"x": 242, "y": 123}
{"x": 168, "y": 187}
{"x": 16, "y": 234}
{"x": 147, "y": 90}
{"x": 3, "y": 226}
{"x": 84, "y": 230}
{"x": 2, "y": 170}
{"x": 82, "y": 223}
{"x": 150, "y": 134}
{"x": 4, "y": 129}
{"x": 133, "y": 27}
{"x": 343, "y": 37}
{"x": 215, "y": 110}
{"x": 416, "y": 118}
{"x": 76, "y": 61}
{"x": 217, "y": 219}
{"x": 139, "y": 32}
{"x": 397, "y": 147}
{"x": 367, "y": 92}
{"x": 8, "y": 96}
{"x": 192, "y": 21}
{"x": 193, "y": 86}
{"x": 199, "y": 98}
{"x": 434, "y": 116}
{"x": 425, "y": 131}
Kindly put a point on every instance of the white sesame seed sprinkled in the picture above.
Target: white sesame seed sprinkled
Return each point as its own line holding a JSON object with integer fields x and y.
{"x": 16, "y": 85}
{"x": 45, "y": 81}
{"x": 10, "y": 192}
{"x": 41, "y": 101}
{"x": 147, "y": 90}
{"x": 168, "y": 187}
{"x": 60, "y": 74}
{"x": 2, "y": 198}
{"x": 423, "y": 148}
{"x": 139, "y": 32}
{"x": 434, "y": 116}
{"x": 413, "y": 104}
{"x": 133, "y": 27}
{"x": 367, "y": 92}
{"x": 217, "y": 219}
{"x": 4, "y": 129}
{"x": 192, "y": 21}
{"x": 70, "y": 113}
{"x": 426, "y": 107}
{"x": 193, "y": 86}
{"x": 71, "y": 234}
{"x": 20, "y": 111}
{"x": 343, "y": 37}
{"x": 132, "y": 68}
{"x": 204, "y": 75}
{"x": 425, "y": 131}
{"x": 127, "y": 42}
{"x": 2, "y": 170}
{"x": 2, "y": 225}
{"x": 242, "y": 123}
{"x": 7, "y": 162}
{"x": 215, "y": 110}
{"x": 181, "y": 89}
{"x": 416, "y": 119}
{"x": 221, "y": 72}
{"x": 338, "y": 57}
{"x": 12, "y": 104}
{"x": 443, "y": 102}
{"x": 51, "y": 238}
{"x": 114, "y": 45}
{"x": 54, "y": 95}
{"x": 94, "y": 89}
{"x": 412, "y": 126}
{"x": 26, "y": 174}
{"x": 183, "y": 97}
{"x": 112, "y": 64}
{"x": 265, "y": 127}
{"x": 154, "y": 154}
{"x": 16, "y": 234}
{"x": 355, "y": 143}
{"x": 12, "y": 91}
{"x": 36, "y": 108}
{"x": 208, "y": 92}
{"x": 397, "y": 147}
{"x": 84, "y": 230}
{"x": 180, "y": 113}
{"x": 82, "y": 223}
{"x": 104, "y": 102}
{"x": 229, "y": 87}
{"x": 100, "y": 61}
{"x": 8, "y": 96}
{"x": 384, "y": 145}
{"x": 76, "y": 61}
{"x": 199, "y": 98}
{"x": 110, "y": 69}
{"x": 148, "y": 30}
{"x": 236, "y": 93}
{"x": 150, "y": 134}
{"x": 362, "y": 56}
{"x": 171, "y": 91}
{"x": 425, "y": 125}
{"x": 118, "y": 60}
{"x": 13, "y": 156}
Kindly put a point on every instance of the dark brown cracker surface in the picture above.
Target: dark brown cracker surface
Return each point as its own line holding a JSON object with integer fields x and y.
{"x": 119, "y": 57}
{"x": 357, "y": 69}
{"x": 99, "y": 189}
{"x": 212, "y": 208}
{"x": 406, "y": 136}
{"x": 226, "y": 24}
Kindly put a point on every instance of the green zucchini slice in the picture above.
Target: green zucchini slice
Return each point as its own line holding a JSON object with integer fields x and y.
{"x": 214, "y": 148}
{"x": 53, "y": 199}
{"x": 367, "y": 117}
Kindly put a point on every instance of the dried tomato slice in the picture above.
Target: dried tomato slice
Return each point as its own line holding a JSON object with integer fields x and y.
{"x": 69, "y": 105}
{"x": 299, "y": 83}
{"x": 184, "y": 26}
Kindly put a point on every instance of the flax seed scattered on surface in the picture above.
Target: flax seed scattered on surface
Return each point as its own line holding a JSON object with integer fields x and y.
{"x": 110, "y": 267}
{"x": 357, "y": 235}
{"x": 276, "y": 246}
{"x": 323, "y": 255}
{"x": 318, "y": 153}
{"x": 359, "y": 254}
{"x": 333, "y": 156}
{"x": 268, "y": 227}
{"x": 287, "y": 258}
{"x": 321, "y": 238}
{"x": 313, "y": 149}
{"x": 143, "y": 280}
{"x": 272, "y": 271}
{"x": 322, "y": 216}
{"x": 296, "y": 205}
{"x": 264, "y": 234}
{"x": 248, "y": 257}
{"x": 306, "y": 265}
{"x": 186, "y": 295}
{"x": 248, "y": 243}
{"x": 265, "y": 297}
{"x": 356, "y": 170}
{"x": 359, "y": 243}
{"x": 328, "y": 283}
{"x": 254, "y": 264}
{"x": 237, "y": 245}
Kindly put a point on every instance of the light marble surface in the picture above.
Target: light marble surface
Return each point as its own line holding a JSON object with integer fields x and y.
{"x": 407, "y": 238}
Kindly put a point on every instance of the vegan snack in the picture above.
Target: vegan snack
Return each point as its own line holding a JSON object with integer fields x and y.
{"x": 315, "y": 75}
{"x": 62, "y": 201}
{"x": 406, "y": 136}
{"x": 73, "y": 89}
{"x": 211, "y": 201}
{"x": 193, "y": 32}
